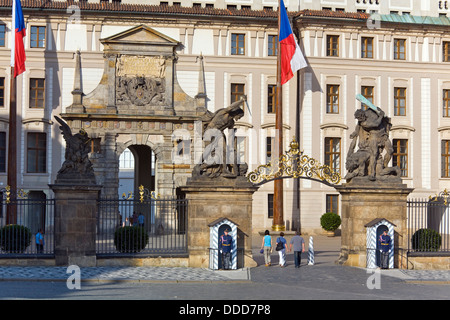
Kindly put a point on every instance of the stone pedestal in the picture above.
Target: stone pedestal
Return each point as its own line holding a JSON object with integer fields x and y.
{"x": 212, "y": 199}
{"x": 362, "y": 202}
{"x": 75, "y": 224}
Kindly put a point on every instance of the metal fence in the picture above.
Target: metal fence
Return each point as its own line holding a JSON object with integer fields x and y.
{"x": 20, "y": 221}
{"x": 141, "y": 227}
{"x": 428, "y": 226}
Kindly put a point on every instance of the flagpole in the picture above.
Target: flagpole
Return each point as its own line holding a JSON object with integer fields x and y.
{"x": 12, "y": 149}
{"x": 278, "y": 220}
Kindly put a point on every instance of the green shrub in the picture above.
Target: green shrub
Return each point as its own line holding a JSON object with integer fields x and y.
{"x": 15, "y": 238}
{"x": 130, "y": 239}
{"x": 426, "y": 240}
{"x": 330, "y": 221}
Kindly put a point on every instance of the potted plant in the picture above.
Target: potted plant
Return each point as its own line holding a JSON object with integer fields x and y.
{"x": 330, "y": 222}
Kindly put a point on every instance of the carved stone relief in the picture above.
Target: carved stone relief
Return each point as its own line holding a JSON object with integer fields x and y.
{"x": 141, "y": 81}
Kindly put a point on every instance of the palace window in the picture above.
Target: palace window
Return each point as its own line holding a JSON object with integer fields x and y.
{"x": 2, "y": 35}
{"x": 366, "y": 92}
{"x": 446, "y": 101}
{"x": 333, "y": 46}
{"x": 2, "y": 151}
{"x": 272, "y": 49}
{"x": 270, "y": 205}
{"x": 36, "y": 152}
{"x": 445, "y": 159}
{"x": 399, "y": 49}
{"x": 95, "y": 145}
{"x": 37, "y": 37}
{"x": 367, "y": 47}
{"x": 2, "y": 92}
{"x": 270, "y": 145}
{"x": 399, "y": 101}
{"x": 238, "y": 44}
{"x": 400, "y": 155}
{"x": 332, "y": 98}
{"x": 126, "y": 160}
{"x": 446, "y": 53}
{"x": 333, "y": 153}
{"x": 332, "y": 203}
{"x": 271, "y": 98}
{"x": 37, "y": 93}
{"x": 237, "y": 91}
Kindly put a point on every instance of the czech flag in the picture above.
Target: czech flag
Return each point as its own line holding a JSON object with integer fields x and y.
{"x": 17, "y": 47}
{"x": 292, "y": 58}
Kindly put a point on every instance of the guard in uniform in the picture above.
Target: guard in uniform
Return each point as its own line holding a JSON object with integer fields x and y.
{"x": 225, "y": 247}
{"x": 385, "y": 246}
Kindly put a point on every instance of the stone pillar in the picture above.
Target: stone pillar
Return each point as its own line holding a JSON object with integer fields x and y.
{"x": 75, "y": 224}
{"x": 361, "y": 204}
{"x": 209, "y": 201}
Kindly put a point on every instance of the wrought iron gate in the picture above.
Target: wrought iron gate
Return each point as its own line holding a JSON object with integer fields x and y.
{"x": 21, "y": 218}
{"x": 429, "y": 225}
{"x": 130, "y": 227}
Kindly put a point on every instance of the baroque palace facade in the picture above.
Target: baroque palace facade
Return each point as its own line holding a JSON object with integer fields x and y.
{"x": 395, "y": 53}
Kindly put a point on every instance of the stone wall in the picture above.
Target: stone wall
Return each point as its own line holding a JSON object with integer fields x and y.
{"x": 429, "y": 263}
{"x": 362, "y": 204}
{"x": 208, "y": 203}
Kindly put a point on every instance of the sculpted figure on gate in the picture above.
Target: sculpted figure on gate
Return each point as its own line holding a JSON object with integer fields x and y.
{"x": 77, "y": 165}
{"x": 214, "y": 159}
{"x": 371, "y": 135}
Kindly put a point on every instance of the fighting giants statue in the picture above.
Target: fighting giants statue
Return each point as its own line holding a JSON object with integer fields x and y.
{"x": 77, "y": 167}
{"x": 372, "y": 136}
{"x": 215, "y": 162}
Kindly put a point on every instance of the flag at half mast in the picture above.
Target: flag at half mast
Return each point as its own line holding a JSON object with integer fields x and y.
{"x": 19, "y": 31}
{"x": 292, "y": 58}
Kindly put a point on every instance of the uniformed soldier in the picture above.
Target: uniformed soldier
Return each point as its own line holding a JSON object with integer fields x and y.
{"x": 225, "y": 247}
{"x": 385, "y": 246}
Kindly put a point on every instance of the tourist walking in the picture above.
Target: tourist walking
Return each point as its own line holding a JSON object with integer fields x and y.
{"x": 298, "y": 244}
{"x": 267, "y": 247}
{"x": 282, "y": 248}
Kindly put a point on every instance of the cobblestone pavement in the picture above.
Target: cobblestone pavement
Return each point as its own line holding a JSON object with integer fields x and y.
{"x": 155, "y": 274}
{"x": 173, "y": 274}
{"x": 325, "y": 256}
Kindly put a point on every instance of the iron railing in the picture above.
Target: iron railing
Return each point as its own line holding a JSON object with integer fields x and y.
{"x": 20, "y": 221}
{"x": 428, "y": 225}
{"x": 163, "y": 224}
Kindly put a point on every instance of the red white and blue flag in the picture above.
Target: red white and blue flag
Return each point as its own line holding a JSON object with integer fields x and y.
{"x": 292, "y": 58}
{"x": 17, "y": 47}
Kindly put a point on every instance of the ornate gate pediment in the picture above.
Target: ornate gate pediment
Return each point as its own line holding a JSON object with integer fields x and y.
{"x": 294, "y": 164}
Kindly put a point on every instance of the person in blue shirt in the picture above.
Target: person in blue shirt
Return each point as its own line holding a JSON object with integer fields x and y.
{"x": 282, "y": 248}
{"x": 141, "y": 219}
{"x": 40, "y": 241}
{"x": 385, "y": 246}
{"x": 266, "y": 246}
{"x": 225, "y": 244}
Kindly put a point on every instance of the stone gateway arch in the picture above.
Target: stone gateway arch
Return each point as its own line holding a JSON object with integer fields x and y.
{"x": 138, "y": 104}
